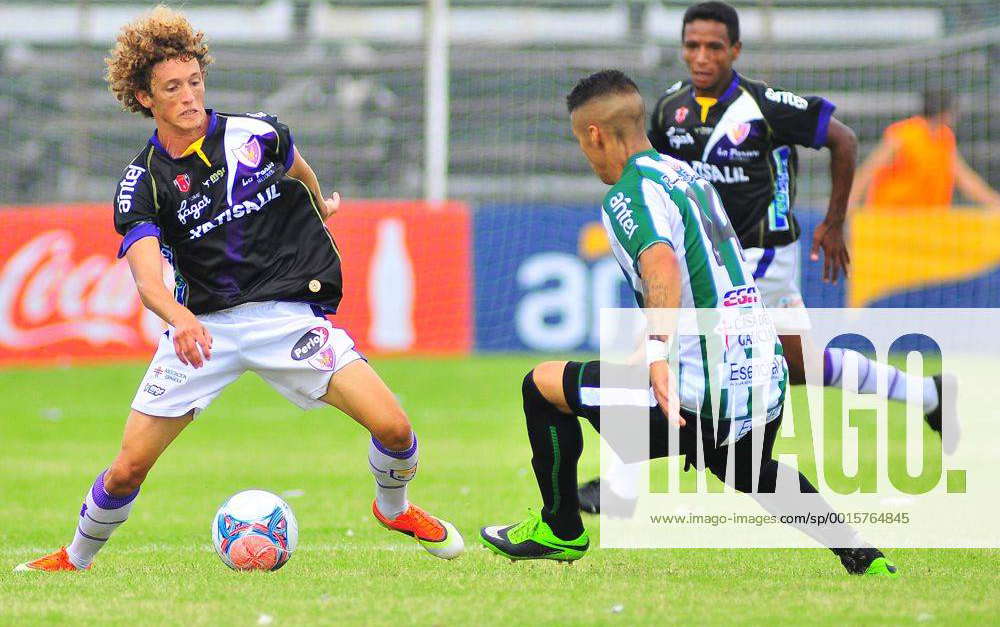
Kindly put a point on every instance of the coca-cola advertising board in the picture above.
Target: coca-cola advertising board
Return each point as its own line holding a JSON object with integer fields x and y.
{"x": 64, "y": 298}
{"x": 407, "y": 275}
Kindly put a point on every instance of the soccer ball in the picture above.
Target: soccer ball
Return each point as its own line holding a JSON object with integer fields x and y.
{"x": 255, "y": 530}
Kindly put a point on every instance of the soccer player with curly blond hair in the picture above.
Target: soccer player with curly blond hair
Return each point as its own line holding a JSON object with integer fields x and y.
{"x": 232, "y": 205}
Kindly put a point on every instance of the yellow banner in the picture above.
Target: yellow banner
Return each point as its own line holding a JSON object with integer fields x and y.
{"x": 898, "y": 251}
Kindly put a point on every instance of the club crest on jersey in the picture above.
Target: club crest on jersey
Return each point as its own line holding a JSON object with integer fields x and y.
{"x": 183, "y": 183}
{"x": 250, "y": 153}
{"x": 738, "y": 133}
{"x": 324, "y": 361}
{"x": 680, "y": 115}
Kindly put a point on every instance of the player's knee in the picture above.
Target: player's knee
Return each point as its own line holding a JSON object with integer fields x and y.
{"x": 125, "y": 476}
{"x": 544, "y": 384}
{"x": 396, "y": 434}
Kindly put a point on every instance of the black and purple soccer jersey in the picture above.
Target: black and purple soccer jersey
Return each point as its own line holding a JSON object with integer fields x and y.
{"x": 744, "y": 144}
{"x": 235, "y": 228}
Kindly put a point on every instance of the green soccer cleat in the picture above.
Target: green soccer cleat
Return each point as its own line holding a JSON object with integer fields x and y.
{"x": 867, "y": 561}
{"x": 532, "y": 539}
{"x": 882, "y": 568}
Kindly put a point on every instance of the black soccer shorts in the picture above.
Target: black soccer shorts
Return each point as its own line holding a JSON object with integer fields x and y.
{"x": 581, "y": 380}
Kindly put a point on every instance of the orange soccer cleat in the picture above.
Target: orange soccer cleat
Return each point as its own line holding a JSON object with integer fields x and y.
{"x": 439, "y": 537}
{"x": 51, "y": 563}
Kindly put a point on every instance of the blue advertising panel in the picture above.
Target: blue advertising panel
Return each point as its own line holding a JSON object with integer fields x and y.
{"x": 543, "y": 272}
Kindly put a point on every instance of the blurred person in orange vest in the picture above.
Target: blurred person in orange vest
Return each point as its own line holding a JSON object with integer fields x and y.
{"x": 917, "y": 165}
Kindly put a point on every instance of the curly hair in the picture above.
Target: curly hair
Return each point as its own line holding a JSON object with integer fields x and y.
{"x": 160, "y": 35}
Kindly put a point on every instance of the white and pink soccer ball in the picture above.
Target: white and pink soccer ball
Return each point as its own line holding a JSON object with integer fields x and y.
{"x": 255, "y": 530}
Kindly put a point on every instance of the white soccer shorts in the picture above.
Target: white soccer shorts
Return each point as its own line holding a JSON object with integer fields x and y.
{"x": 776, "y": 273}
{"x": 289, "y": 345}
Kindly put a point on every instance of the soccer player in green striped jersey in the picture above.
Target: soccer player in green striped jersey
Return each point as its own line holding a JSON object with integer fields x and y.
{"x": 670, "y": 234}
{"x": 744, "y": 136}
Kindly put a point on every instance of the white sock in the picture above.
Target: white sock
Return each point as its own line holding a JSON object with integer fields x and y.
{"x": 392, "y": 471}
{"x": 808, "y": 512}
{"x": 100, "y": 516}
{"x": 868, "y": 374}
{"x": 622, "y": 478}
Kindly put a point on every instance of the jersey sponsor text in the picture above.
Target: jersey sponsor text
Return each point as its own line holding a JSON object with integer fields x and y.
{"x": 786, "y": 97}
{"x": 620, "y": 206}
{"x": 679, "y": 137}
{"x": 740, "y": 296}
{"x": 127, "y": 187}
{"x": 755, "y": 371}
{"x": 716, "y": 174}
{"x": 192, "y": 207}
{"x": 237, "y": 211}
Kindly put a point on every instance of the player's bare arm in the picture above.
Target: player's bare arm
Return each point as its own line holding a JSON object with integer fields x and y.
{"x": 189, "y": 335}
{"x": 301, "y": 171}
{"x": 829, "y": 235}
{"x": 661, "y": 281}
{"x": 973, "y": 186}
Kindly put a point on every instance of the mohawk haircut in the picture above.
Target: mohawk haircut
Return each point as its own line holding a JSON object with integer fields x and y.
{"x": 599, "y": 84}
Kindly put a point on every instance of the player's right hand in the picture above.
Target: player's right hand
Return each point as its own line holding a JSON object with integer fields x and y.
{"x": 191, "y": 340}
{"x": 665, "y": 390}
{"x": 830, "y": 238}
{"x": 331, "y": 205}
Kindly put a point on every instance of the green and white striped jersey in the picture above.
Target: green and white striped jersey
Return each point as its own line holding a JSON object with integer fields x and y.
{"x": 660, "y": 199}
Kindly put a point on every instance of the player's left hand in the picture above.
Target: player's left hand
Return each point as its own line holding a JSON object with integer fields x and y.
{"x": 665, "y": 391}
{"x": 331, "y": 205}
{"x": 830, "y": 237}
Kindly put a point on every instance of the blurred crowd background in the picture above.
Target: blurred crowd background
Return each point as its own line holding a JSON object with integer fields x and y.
{"x": 349, "y": 78}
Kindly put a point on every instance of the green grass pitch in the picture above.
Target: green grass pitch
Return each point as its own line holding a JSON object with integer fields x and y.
{"x": 60, "y": 427}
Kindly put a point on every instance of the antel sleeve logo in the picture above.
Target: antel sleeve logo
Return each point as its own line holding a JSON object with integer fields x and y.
{"x": 620, "y": 207}
{"x": 786, "y": 97}
{"x": 127, "y": 187}
{"x": 310, "y": 343}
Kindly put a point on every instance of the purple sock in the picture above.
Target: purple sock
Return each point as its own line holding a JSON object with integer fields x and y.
{"x": 100, "y": 515}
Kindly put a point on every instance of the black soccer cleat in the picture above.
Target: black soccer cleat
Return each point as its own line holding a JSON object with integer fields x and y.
{"x": 935, "y": 418}
{"x": 866, "y": 561}
{"x": 590, "y": 496}
{"x": 590, "y": 501}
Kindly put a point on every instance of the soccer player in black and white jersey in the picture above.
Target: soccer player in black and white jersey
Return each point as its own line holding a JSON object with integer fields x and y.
{"x": 240, "y": 215}
{"x": 741, "y": 135}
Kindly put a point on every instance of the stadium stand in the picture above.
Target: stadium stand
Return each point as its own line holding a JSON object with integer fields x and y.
{"x": 357, "y": 104}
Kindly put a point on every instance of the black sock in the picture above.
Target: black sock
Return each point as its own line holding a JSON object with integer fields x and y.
{"x": 556, "y": 444}
{"x": 768, "y": 480}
